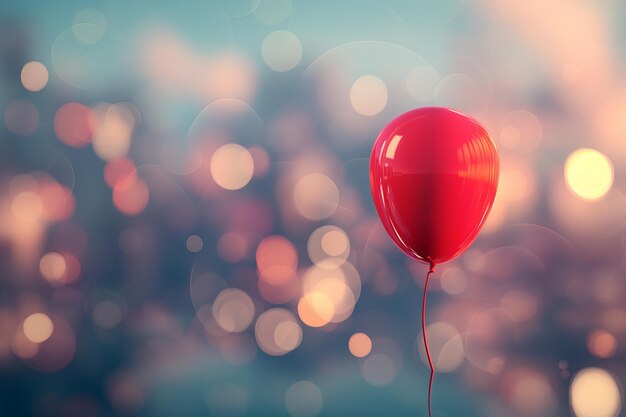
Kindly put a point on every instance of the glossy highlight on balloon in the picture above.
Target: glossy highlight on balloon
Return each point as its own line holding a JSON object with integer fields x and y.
{"x": 433, "y": 177}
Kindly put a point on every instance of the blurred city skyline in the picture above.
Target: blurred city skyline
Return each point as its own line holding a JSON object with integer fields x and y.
{"x": 186, "y": 226}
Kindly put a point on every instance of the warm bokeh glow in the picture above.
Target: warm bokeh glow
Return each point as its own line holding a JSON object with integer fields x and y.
{"x": 360, "y": 345}
{"x": 131, "y": 195}
{"x": 281, "y": 50}
{"x": 368, "y": 95}
{"x": 276, "y": 259}
{"x": 52, "y": 267}
{"x": 232, "y": 166}
{"x": 34, "y": 76}
{"x": 38, "y": 327}
{"x": 233, "y": 310}
{"x": 316, "y": 196}
{"x": 74, "y": 124}
{"x": 588, "y": 173}
{"x": 316, "y": 309}
{"x": 277, "y": 332}
{"x": 328, "y": 246}
{"x": 602, "y": 343}
{"x": 594, "y": 393}
{"x": 113, "y": 133}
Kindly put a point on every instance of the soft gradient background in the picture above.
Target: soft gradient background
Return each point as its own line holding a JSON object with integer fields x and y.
{"x": 186, "y": 227}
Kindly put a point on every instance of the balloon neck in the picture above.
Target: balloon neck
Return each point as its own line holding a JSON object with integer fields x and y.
{"x": 432, "y": 266}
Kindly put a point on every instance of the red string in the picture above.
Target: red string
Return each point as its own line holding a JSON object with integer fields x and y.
{"x": 430, "y": 360}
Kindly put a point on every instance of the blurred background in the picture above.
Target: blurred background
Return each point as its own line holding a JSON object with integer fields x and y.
{"x": 186, "y": 226}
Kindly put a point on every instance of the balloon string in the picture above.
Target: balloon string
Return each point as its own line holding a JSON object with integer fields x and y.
{"x": 430, "y": 360}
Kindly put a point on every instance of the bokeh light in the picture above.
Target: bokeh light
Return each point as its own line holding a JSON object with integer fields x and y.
{"x": 34, "y": 76}
{"x": 360, "y": 345}
{"x": 186, "y": 223}
{"x": 277, "y": 332}
{"x": 74, "y": 124}
{"x": 368, "y": 95}
{"x": 316, "y": 309}
{"x": 328, "y": 246}
{"x": 602, "y": 343}
{"x": 232, "y": 166}
{"x": 316, "y": 196}
{"x": 194, "y": 243}
{"x": 282, "y": 50}
{"x": 131, "y": 195}
{"x": 276, "y": 259}
{"x": 594, "y": 393}
{"x": 38, "y": 327}
{"x": 233, "y": 310}
{"x": 588, "y": 173}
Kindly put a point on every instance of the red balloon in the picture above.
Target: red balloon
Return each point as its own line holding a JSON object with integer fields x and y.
{"x": 433, "y": 175}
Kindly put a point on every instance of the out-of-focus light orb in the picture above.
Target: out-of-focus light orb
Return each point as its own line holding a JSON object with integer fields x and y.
{"x": 368, "y": 95}
{"x": 303, "y": 399}
{"x": 21, "y": 117}
{"x": 38, "y": 327}
{"x": 74, "y": 124}
{"x": 131, "y": 195}
{"x": 233, "y": 310}
{"x": 378, "y": 369}
{"x": 335, "y": 242}
{"x": 276, "y": 259}
{"x": 232, "y": 246}
{"x": 57, "y": 200}
{"x": 288, "y": 335}
{"x": 107, "y": 314}
{"x": 229, "y": 76}
{"x": 446, "y": 347}
{"x": 27, "y": 206}
{"x": 316, "y": 196}
{"x": 594, "y": 392}
{"x": 340, "y": 285}
{"x": 360, "y": 345}
{"x": 602, "y": 343}
{"x": 113, "y": 132}
{"x": 453, "y": 280}
{"x": 273, "y": 12}
{"x": 281, "y": 50}
{"x": 328, "y": 246}
{"x": 232, "y": 166}
{"x": 34, "y": 76}
{"x": 421, "y": 83}
{"x": 52, "y": 267}
{"x": 194, "y": 243}
{"x": 588, "y": 173}
{"x": 119, "y": 169}
{"x": 316, "y": 309}
{"x": 89, "y": 26}
{"x": 277, "y": 332}
{"x": 23, "y": 347}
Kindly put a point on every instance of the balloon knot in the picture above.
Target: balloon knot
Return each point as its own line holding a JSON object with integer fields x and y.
{"x": 432, "y": 266}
